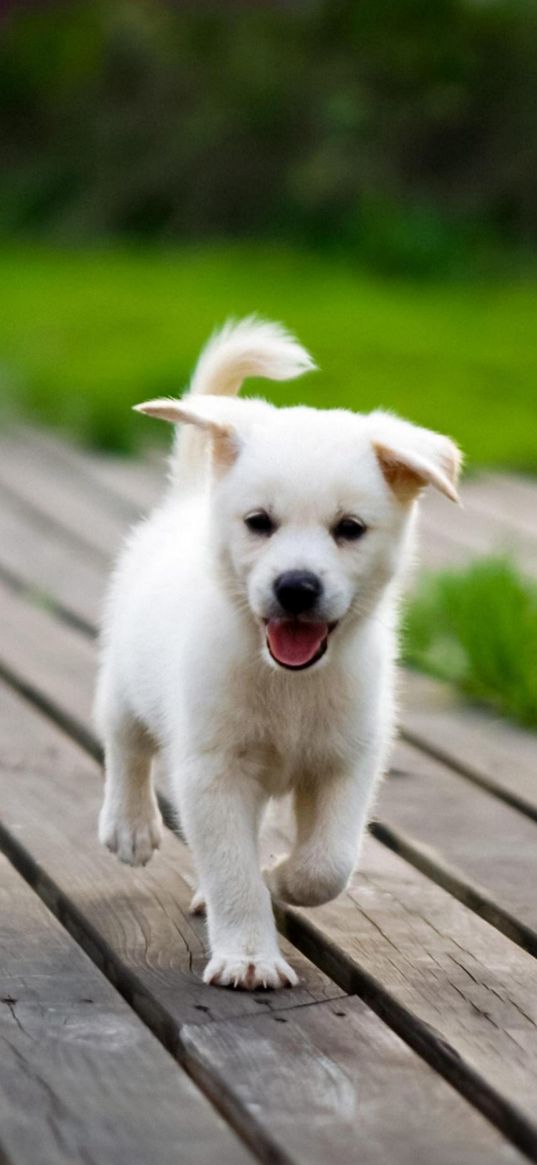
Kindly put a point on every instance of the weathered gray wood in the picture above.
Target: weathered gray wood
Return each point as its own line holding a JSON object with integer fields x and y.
{"x": 139, "y": 483}
{"x": 329, "y": 1107}
{"x": 459, "y": 535}
{"x": 51, "y": 489}
{"x": 44, "y": 561}
{"x": 435, "y": 551}
{"x": 468, "y": 832}
{"x": 510, "y": 497}
{"x": 129, "y": 484}
{"x": 54, "y": 658}
{"x": 489, "y": 749}
{"x": 81, "y": 1077}
{"x": 127, "y": 887}
{"x": 339, "y": 1077}
{"x": 409, "y": 947}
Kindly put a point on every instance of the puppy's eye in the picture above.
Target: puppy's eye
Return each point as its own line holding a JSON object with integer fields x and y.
{"x": 349, "y": 530}
{"x": 259, "y": 522}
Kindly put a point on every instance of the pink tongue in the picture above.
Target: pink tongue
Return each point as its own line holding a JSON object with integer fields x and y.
{"x": 293, "y": 643}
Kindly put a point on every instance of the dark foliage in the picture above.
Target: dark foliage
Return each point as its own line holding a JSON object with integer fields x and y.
{"x": 403, "y": 130}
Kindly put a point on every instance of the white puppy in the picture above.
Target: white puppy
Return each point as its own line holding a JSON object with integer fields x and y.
{"x": 249, "y": 637}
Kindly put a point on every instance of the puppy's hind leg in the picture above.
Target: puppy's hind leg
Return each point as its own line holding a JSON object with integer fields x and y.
{"x": 130, "y": 822}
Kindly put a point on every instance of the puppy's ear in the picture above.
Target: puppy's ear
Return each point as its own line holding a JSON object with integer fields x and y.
{"x": 223, "y": 436}
{"x": 411, "y": 458}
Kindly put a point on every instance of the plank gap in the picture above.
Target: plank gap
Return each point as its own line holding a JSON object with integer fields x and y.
{"x": 147, "y": 1007}
{"x": 43, "y": 599}
{"x": 469, "y": 772}
{"x": 469, "y": 894}
{"x": 428, "y": 1043}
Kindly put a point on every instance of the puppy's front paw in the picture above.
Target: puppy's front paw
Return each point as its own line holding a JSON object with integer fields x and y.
{"x": 133, "y": 840}
{"x": 249, "y": 973}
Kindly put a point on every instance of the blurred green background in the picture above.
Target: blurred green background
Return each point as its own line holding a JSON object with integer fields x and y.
{"x": 365, "y": 172}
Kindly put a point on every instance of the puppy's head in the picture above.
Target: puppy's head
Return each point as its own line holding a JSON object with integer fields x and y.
{"x": 311, "y": 512}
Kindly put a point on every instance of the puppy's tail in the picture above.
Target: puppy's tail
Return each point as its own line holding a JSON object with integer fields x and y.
{"x": 250, "y": 347}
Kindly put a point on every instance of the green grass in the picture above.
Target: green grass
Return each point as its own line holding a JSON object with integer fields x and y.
{"x": 478, "y": 629}
{"x": 86, "y": 334}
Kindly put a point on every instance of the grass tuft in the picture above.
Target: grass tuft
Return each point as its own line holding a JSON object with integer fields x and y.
{"x": 478, "y": 629}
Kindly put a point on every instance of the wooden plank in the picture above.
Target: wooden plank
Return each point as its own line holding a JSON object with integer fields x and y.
{"x": 511, "y": 497}
{"x": 81, "y": 1077}
{"x": 43, "y": 561}
{"x": 309, "y": 1085}
{"x": 486, "y": 749}
{"x": 436, "y": 963}
{"x": 463, "y": 830}
{"x": 130, "y": 485}
{"x": 136, "y": 483}
{"x": 294, "y": 1085}
{"x": 140, "y": 483}
{"x": 58, "y": 662}
{"x": 472, "y": 532}
{"x": 51, "y": 489}
{"x": 436, "y": 551}
{"x": 127, "y": 887}
{"x": 490, "y": 750}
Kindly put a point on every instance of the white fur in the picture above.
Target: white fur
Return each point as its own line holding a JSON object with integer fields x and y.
{"x": 185, "y": 666}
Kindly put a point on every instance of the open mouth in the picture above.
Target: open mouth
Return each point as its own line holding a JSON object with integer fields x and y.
{"x": 296, "y": 645}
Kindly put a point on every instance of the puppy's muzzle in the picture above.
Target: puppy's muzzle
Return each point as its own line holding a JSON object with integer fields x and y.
{"x": 298, "y": 591}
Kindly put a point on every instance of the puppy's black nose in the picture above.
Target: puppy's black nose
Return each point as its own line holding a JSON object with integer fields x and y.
{"x": 297, "y": 591}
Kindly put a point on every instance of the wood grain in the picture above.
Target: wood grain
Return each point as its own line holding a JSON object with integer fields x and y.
{"x": 432, "y": 968}
{"x": 491, "y": 751}
{"x": 51, "y": 490}
{"x": 42, "y": 560}
{"x": 490, "y": 844}
{"x": 330, "y": 1073}
{"x": 81, "y": 1078}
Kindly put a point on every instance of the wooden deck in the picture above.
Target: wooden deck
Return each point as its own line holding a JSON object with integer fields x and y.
{"x": 413, "y": 1035}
